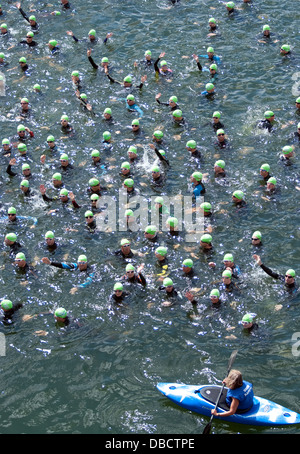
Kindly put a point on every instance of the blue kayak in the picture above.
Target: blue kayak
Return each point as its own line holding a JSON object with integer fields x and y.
{"x": 201, "y": 399}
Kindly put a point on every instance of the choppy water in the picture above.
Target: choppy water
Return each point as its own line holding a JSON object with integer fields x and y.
{"x": 101, "y": 377}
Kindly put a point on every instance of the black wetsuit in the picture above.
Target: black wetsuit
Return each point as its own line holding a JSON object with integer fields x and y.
{"x": 290, "y": 287}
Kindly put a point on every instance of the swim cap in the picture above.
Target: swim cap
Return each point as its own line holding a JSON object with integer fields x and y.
{"x": 191, "y": 144}
{"x": 220, "y": 131}
{"x": 64, "y": 192}
{"x": 11, "y": 237}
{"x": 83, "y": 96}
{"x": 32, "y": 18}
{"x": 210, "y": 49}
{"x": 285, "y": 47}
{"x": 75, "y": 73}
{"x": 49, "y": 235}
{"x": 132, "y": 149}
{"x": 11, "y": 210}
{"x": 148, "y": 52}
{"x": 25, "y": 183}
{"x": 64, "y": 157}
{"x": 266, "y": 27}
{"x": 60, "y": 312}
{"x": 104, "y": 60}
{"x": 20, "y": 256}
{"x": 214, "y": 292}
{"x": 130, "y": 98}
{"x": 188, "y": 263}
{"x": 230, "y": 5}
{"x": 25, "y": 167}
{"x": 173, "y": 99}
{"x": 21, "y": 128}
{"x": 177, "y": 113}
{"x": 257, "y": 234}
{"x": 238, "y": 195}
{"x": 197, "y": 175}
{"x": 216, "y": 114}
{"x": 228, "y": 258}
{"x": 94, "y": 182}
{"x": 298, "y": 100}
{"x": 269, "y": 114}
{"x": 247, "y": 318}
{"x": 64, "y": 117}
{"x": 57, "y": 13}
{"x": 220, "y": 163}
{"x": 127, "y": 79}
{"x": 6, "y": 305}
{"x": 22, "y": 147}
{"x": 56, "y": 176}
{"x": 159, "y": 200}
{"x": 36, "y": 87}
{"x": 107, "y": 110}
{"x": 82, "y": 258}
{"x": 118, "y": 286}
{"x": 125, "y": 165}
{"x": 22, "y": 60}
{"x": 88, "y": 213}
{"x": 2, "y": 55}
{"x": 155, "y": 169}
{"x": 287, "y": 149}
{"x": 30, "y": 35}
{"x": 94, "y": 197}
{"x": 206, "y": 206}
{"x": 92, "y": 32}
{"x": 163, "y": 63}
{"x": 161, "y": 250}
{"x": 151, "y": 229}
{"x": 167, "y": 282}
{"x": 172, "y": 221}
{"x": 129, "y": 182}
{"x": 291, "y": 272}
{"x": 135, "y": 122}
{"x": 3, "y": 26}
{"x": 129, "y": 213}
{"x": 226, "y": 273}
{"x": 265, "y": 167}
{"x": 213, "y": 66}
{"x": 206, "y": 238}
{"x": 211, "y": 19}
{"x": 95, "y": 153}
{"x": 53, "y": 42}
{"x": 272, "y": 180}
{"x": 209, "y": 86}
{"x": 106, "y": 135}
{"x": 158, "y": 134}
{"x": 130, "y": 267}
{"x": 124, "y": 242}
{"x": 5, "y": 142}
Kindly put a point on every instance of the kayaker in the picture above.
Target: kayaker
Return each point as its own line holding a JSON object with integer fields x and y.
{"x": 239, "y": 395}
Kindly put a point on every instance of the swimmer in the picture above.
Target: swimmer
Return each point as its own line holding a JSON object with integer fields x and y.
{"x": 127, "y": 81}
{"x": 125, "y": 252}
{"x": 161, "y": 255}
{"x": 65, "y": 125}
{"x": 104, "y": 65}
{"x": 134, "y": 276}
{"x": 157, "y": 177}
{"x": 147, "y": 62}
{"x": 119, "y": 294}
{"x": 212, "y": 69}
{"x": 248, "y": 323}
{"x": 209, "y": 90}
{"x": 172, "y": 224}
{"x": 150, "y": 233}
{"x": 10, "y": 240}
{"x": 6, "y": 147}
{"x": 23, "y": 132}
{"x": 288, "y": 278}
{"x": 51, "y": 143}
{"x": 173, "y": 102}
{"x": 31, "y": 19}
{"x": 206, "y": 242}
{"x": 160, "y": 205}
{"x": 219, "y": 169}
{"x": 23, "y": 64}
{"x": 163, "y": 70}
{"x": 8, "y": 310}
{"x": 81, "y": 265}
{"x": 238, "y": 199}
{"x": 53, "y": 46}
{"x": 264, "y": 171}
{"x": 206, "y": 209}
{"x": 57, "y": 180}
{"x": 256, "y": 239}
{"x": 221, "y": 139}
{"x": 216, "y": 124}
{"x": 268, "y": 122}
{"x": 125, "y": 169}
{"x": 91, "y": 37}
{"x": 287, "y": 154}
{"x": 196, "y": 180}
{"x": 132, "y": 154}
{"x": 95, "y": 155}
{"x": 187, "y": 267}
{"x": 210, "y": 55}
{"x": 195, "y": 154}
{"x": 29, "y": 41}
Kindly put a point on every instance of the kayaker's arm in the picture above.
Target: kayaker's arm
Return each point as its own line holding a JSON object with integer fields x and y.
{"x": 233, "y": 408}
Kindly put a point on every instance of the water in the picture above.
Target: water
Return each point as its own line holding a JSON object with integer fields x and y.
{"x": 101, "y": 377}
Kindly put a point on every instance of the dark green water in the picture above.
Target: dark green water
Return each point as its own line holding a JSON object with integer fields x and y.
{"x": 101, "y": 377}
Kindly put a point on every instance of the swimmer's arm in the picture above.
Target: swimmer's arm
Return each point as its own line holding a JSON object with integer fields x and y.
{"x": 139, "y": 110}
{"x": 270, "y": 272}
{"x": 9, "y": 171}
{"x": 156, "y": 65}
{"x": 92, "y": 62}
{"x": 18, "y": 5}
{"x": 64, "y": 265}
{"x": 107, "y": 37}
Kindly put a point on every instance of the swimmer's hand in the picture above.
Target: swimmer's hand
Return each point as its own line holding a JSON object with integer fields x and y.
{"x": 13, "y": 162}
{"x": 41, "y": 332}
{"x": 190, "y": 296}
{"x": 89, "y": 52}
{"x": 158, "y": 96}
{"x": 27, "y": 317}
{"x": 73, "y": 290}
{"x": 257, "y": 259}
{"x": 42, "y": 189}
{"x": 46, "y": 260}
{"x": 143, "y": 79}
{"x": 195, "y": 57}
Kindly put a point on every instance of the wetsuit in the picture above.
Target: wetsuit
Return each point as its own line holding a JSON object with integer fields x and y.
{"x": 74, "y": 266}
{"x": 32, "y": 44}
{"x": 137, "y": 279}
{"x": 290, "y": 287}
{"x": 265, "y": 124}
{"x": 34, "y": 27}
{"x": 169, "y": 72}
{"x": 121, "y": 83}
{"x": 15, "y": 248}
{"x": 8, "y": 314}
{"x": 199, "y": 190}
{"x": 167, "y": 104}
{"x": 121, "y": 254}
{"x": 51, "y": 199}
{"x": 213, "y": 77}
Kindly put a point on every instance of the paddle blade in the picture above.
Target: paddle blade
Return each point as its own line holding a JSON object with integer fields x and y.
{"x": 207, "y": 428}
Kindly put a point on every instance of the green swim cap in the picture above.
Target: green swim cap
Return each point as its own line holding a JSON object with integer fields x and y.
{"x": 125, "y": 165}
{"x": 129, "y": 267}
{"x": 11, "y": 237}
{"x": 3, "y": 26}
{"x": 173, "y": 99}
{"x": 159, "y": 200}
{"x": 106, "y": 135}
{"x": 163, "y": 63}
{"x": 20, "y": 256}
{"x": 56, "y": 176}
{"x": 95, "y": 153}
{"x": 172, "y": 221}
{"x": 269, "y": 114}
{"x": 130, "y": 98}
{"x": 257, "y": 234}
{"x": 88, "y": 213}
{"x": 228, "y": 258}
{"x": 50, "y": 139}
{"x": 64, "y": 192}
{"x": 124, "y": 242}
{"x": 129, "y": 182}
{"x": 128, "y": 79}
{"x": 216, "y": 114}
{"x": 2, "y": 55}
{"x": 266, "y": 27}
{"x": 49, "y": 235}
{"x": 151, "y": 229}
{"x": 155, "y": 169}
{"x": 6, "y": 305}
{"x": 210, "y": 49}
{"x": 22, "y": 147}
{"x": 107, "y": 110}
{"x": 197, "y": 175}
{"x": 247, "y": 318}
{"x": 94, "y": 182}
{"x": 161, "y": 250}
{"x": 57, "y": 13}
{"x": 30, "y": 35}
{"x": 211, "y": 19}
{"x": 287, "y": 149}
{"x": 238, "y": 194}
{"x": 205, "y": 206}
{"x": 188, "y": 263}
{"x": 64, "y": 157}
{"x": 132, "y": 149}
{"x": 272, "y": 180}
{"x": 298, "y": 100}
{"x": 214, "y": 292}
{"x": 213, "y": 66}
{"x": 177, "y": 113}
{"x": 226, "y": 273}
{"x": 5, "y": 142}
{"x": 129, "y": 213}
{"x": 32, "y": 18}
{"x": 25, "y": 183}
{"x": 92, "y": 32}
{"x": 82, "y": 258}
{"x": 148, "y": 52}
{"x": 25, "y": 167}
{"x": 21, "y": 128}
{"x": 60, "y": 312}
{"x": 64, "y": 117}
{"x": 36, "y": 87}
{"x": 286, "y": 47}
{"x": 167, "y": 282}
{"x": 53, "y": 42}
{"x": 94, "y": 197}
{"x": 265, "y": 167}
{"x": 11, "y": 210}
{"x": 118, "y": 286}
{"x": 220, "y": 163}
{"x": 291, "y": 272}
{"x": 230, "y": 5}
{"x": 158, "y": 134}
{"x": 75, "y": 73}
{"x": 22, "y": 60}
{"x": 135, "y": 122}
{"x": 83, "y": 96}
{"x": 191, "y": 144}
{"x": 209, "y": 86}
{"x": 206, "y": 238}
